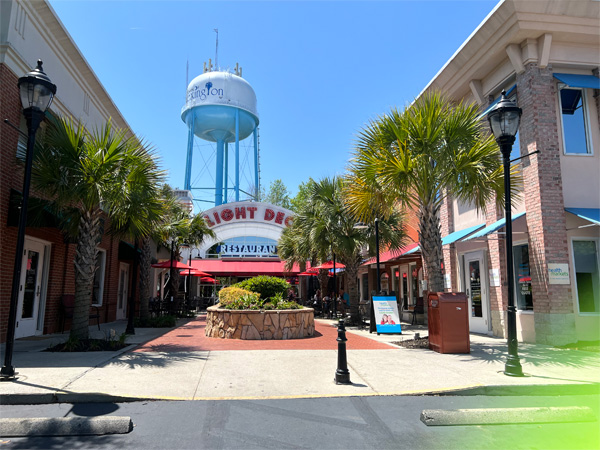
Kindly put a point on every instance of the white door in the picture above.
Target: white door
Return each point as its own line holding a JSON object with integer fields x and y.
{"x": 30, "y": 289}
{"x": 477, "y": 292}
{"x": 123, "y": 292}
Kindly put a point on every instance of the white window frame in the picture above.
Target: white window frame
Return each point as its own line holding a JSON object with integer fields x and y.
{"x": 586, "y": 121}
{"x": 574, "y": 270}
{"x": 100, "y": 271}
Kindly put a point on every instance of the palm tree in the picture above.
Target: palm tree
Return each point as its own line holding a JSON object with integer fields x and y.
{"x": 90, "y": 176}
{"x": 324, "y": 227}
{"x": 432, "y": 150}
{"x": 179, "y": 227}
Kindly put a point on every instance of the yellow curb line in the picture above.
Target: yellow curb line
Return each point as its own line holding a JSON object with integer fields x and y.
{"x": 303, "y": 396}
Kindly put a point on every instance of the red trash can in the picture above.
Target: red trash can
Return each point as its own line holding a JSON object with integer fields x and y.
{"x": 448, "y": 322}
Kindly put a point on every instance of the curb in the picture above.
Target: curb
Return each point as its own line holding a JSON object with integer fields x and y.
{"x": 548, "y": 390}
{"x": 490, "y": 391}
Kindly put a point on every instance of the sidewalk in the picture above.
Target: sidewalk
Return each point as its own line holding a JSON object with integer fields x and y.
{"x": 182, "y": 364}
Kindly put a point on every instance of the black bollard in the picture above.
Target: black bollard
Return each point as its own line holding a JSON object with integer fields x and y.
{"x": 342, "y": 375}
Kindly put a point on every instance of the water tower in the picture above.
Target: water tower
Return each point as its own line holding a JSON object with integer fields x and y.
{"x": 221, "y": 108}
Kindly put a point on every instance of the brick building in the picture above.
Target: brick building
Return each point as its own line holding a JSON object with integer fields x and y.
{"x": 30, "y": 31}
{"x": 546, "y": 55}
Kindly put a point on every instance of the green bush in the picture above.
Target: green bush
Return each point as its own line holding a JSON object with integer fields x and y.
{"x": 237, "y": 298}
{"x": 243, "y": 296}
{"x": 266, "y": 286}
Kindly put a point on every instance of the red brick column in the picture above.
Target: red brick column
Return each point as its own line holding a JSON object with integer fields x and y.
{"x": 552, "y": 303}
{"x": 449, "y": 251}
{"x": 496, "y": 260}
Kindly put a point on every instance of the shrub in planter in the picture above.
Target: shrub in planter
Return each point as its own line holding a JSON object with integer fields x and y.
{"x": 237, "y": 298}
{"x": 266, "y": 286}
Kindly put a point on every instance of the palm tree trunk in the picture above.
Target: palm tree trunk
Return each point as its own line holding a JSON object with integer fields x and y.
{"x": 145, "y": 262}
{"x": 430, "y": 239}
{"x": 85, "y": 268}
{"x": 323, "y": 278}
{"x": 351, "y": 271}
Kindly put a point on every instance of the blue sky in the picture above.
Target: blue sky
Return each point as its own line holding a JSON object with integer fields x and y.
{"x": 320, "y": 70}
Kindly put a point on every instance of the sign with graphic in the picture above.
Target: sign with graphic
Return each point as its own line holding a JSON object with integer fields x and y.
{"x": 386, "y": 314}
{"x": 558, "y": 273}
{"x": 494, "y": 277}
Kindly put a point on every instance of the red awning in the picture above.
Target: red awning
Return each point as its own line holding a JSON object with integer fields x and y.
{"x": 220, "y": 267}
{"x": 168, "y": 264}
{"x": 391, "y": 254}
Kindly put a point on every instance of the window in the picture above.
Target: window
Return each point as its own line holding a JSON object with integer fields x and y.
{"x": 574, "y": 122}
{"x": 98, "y": 290}
{"x": 522, "y": 277}
{"x": 585, "y": 255}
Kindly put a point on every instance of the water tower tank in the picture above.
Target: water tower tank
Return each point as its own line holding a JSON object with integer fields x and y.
{"x": 220, "y": 107}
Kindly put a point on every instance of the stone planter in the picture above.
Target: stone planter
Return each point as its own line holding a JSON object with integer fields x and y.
{"x": 251, "y": 324}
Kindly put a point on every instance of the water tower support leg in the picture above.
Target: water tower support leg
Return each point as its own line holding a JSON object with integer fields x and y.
{"x": 226, "y": 175}
{"x": 237, "y": 155}
{"x": 256, "y": 186}
{"x": 219, "y": 173}
{"x": 187, "y": 184}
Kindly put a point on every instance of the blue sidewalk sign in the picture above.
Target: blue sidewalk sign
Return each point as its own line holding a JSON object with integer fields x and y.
{"x": 387, "y": 317}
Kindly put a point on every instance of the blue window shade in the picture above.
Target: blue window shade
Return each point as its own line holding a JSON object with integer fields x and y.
{"x": 590, "y": 214}
{"x": 570, "y": 100}
{"x": 493, "y": 227}
{"x": 580, "y": 81}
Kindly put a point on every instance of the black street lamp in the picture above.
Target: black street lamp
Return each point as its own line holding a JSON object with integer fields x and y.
{"x": 504, "y": 121}
{"x": 36, "y": 92}
{"x": 360, "y": 226}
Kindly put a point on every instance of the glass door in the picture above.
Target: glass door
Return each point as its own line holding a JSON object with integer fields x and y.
{"x": 476, "y": 289}
{"x": 122, "y": 293}
{"x": 30, "y": 289}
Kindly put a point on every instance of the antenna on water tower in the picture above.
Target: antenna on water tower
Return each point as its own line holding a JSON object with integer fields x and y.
{"x": 217, "y": 50}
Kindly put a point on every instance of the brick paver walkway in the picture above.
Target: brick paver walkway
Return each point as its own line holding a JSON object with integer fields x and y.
{"x": 190, "y": 337}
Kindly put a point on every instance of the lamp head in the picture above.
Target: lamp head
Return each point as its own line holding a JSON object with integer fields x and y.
{"x": 36, "y": 89}
{"x": 504, "y": 120}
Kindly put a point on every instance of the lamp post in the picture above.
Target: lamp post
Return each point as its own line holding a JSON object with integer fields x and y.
{"x": 504, "y": 121}
{"x": 362, "y": 226}
{"x": 36, "y": 92}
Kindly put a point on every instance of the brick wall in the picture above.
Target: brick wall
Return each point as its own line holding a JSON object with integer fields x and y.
{"x": 449, "y": 251}
{"x": 544, "y": 204}
{"x": 61, "y": 278}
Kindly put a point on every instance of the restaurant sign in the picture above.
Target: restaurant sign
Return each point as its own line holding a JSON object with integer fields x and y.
{"x": 248, "y": 212}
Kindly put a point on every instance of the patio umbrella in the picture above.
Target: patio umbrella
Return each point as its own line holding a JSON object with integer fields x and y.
{"x": 209, "y": 280}
{"x": 307, "y": 274}
{"x": 167, "y": 265}
{"x": 329, "y": 265}
{"x": 194, "y": 273}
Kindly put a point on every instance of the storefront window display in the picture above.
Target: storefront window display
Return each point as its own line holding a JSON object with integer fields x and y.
{"x": 522, "y": 277}
{"x": 585, "y": 253}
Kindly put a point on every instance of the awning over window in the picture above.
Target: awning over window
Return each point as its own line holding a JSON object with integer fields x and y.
{"x": 590, "y": 214}
{"x": 453, "y": 237}
{"x": 220, "y": 267}
{"x": 391, "y": 254}
{"x": 495, "y": 102}
{"x": 579, "y": 81}
{"x": 493, "y": 227}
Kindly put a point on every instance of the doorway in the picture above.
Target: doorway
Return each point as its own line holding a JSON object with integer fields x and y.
{"x": 123, "y": 291}
{"x": 30, "y": 289}
{"x": 475, "y": 282}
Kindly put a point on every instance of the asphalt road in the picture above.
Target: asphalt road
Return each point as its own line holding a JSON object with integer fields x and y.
{"x": 323, "y": 423}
